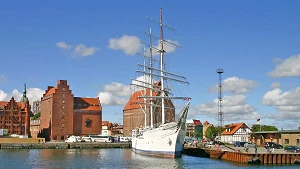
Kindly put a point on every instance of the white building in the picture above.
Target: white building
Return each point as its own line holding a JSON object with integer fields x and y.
{"x": 236, "y": 132}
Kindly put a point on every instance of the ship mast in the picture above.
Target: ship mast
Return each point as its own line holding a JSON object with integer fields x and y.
{"x": 151, "y": 81}
{"x": 160, "y": 73}
{"x": 145, "y": 93}
{"x": 161, "y": 51}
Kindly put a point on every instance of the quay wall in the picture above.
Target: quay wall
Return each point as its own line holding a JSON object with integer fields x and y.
{"x": 58, "y": 145}
{"x": 22, "y": 140}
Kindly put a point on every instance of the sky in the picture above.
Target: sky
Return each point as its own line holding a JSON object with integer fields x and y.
{"x": 94, "y": 45}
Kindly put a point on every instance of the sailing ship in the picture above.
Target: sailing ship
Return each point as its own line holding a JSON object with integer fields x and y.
{"x": 162, "y": 137}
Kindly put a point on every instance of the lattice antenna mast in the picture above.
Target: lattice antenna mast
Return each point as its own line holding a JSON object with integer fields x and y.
{"x": 220, "y": 98}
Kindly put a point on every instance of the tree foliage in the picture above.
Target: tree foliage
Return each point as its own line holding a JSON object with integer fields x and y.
{"x": 256, "y": 128}
{"x": 36, "y": 116}
{"x": 211, "y": 132}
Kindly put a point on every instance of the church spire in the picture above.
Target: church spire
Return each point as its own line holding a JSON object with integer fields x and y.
{"x": 24, "y": 98}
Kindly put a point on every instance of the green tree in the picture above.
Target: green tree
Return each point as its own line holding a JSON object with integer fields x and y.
{"x": 211, "y": 132}
{"x": 36, "y": 116}
{"x": 258, "y": 128}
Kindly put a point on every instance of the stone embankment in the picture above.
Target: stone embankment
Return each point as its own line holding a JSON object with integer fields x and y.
{"x": 60, "y": 145}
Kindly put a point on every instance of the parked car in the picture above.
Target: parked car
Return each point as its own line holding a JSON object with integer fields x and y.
{"x": 72, "y": 139}
{"x": 272, "y": 144}
{"x": 295, "y": 149}
{"x": 250, "y": 145}
{"x": 239, "y": 143}
{"x": 219, "y": 142}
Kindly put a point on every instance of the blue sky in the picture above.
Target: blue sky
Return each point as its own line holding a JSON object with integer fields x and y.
{"x": 93, "y": 45}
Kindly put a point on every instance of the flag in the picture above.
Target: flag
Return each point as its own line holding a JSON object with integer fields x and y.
{"x": 258, "y": 121}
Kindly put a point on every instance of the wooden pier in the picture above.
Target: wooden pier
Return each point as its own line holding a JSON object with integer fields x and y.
{"x": 250, "y": 158}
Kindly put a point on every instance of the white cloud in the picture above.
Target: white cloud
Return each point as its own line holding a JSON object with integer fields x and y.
{"x": 33, "y": 94}
{"x": 236, "y": 85}
{"x": 114, "y": 94}
{"x": 275, "y": 85}
{"x": 63, "y": 45}
{"x": 82, "y": 50}
{"x": 118, "y": 93}
{"x": 107, "y": 98}
{"x": 117, "y": 89}
{"x": 286, "y": 68}
{"x": 286, "y": 102}
{"x": 169, "y": 48}
{"x": 278, "y": 98}
{"x": 235, "y": 109}
{"x": 3, "y": 95}
{"x": 128, "y": 44}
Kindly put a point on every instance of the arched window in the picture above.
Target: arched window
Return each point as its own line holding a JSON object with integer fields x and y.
{"x": 62, "y": 138}
{"x": 54, "y": 137}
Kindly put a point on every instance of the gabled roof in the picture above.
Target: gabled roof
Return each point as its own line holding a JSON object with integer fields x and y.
{"x": 197, "y": 122}
{"x": 3, "y": 103}
{"x": 81, "y": 103}
{"x": 50, "y": 91}
{"x": 206, "y": 123}
{"x": 106, "y": 123}
{"x": 131, "y": 104}
{"x": 232, "y": 128}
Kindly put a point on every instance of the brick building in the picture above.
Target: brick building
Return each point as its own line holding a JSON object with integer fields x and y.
{"x": 36, "y": 107}
{"x": 194, "y": 128}
{"x": 34, "y": 127}
{"x": 15, "y": 116}
{"x": 63, "y": 115}
{"x": 133, "y": 115}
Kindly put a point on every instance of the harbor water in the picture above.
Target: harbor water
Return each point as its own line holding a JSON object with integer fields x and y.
{"x": 109, "y": 158}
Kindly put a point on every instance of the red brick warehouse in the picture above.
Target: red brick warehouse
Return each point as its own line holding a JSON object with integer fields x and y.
{"x": 63, "y": 115}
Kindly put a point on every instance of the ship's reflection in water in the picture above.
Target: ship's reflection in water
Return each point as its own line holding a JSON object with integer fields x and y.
{"x": 105, "y": 158}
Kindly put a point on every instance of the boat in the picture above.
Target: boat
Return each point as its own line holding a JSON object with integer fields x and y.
{"x": 164, "y": 137}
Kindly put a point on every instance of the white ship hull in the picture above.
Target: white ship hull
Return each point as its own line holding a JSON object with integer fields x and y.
{"x": 164, "y": 141}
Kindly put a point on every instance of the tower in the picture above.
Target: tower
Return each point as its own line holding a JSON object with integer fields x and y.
{"x": 24, "y": 97}
{"x": 220, "y": 100}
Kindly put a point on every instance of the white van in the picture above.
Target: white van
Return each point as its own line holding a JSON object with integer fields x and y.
{"x": 100, "y": 138}
{"x": 72, "y": 139}
{"x": 125, "y": 139}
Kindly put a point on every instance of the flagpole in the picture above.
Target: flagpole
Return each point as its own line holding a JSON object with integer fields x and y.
{"x": 258, "y": 121}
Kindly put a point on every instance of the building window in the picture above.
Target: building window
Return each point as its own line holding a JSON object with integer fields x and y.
{"x": 63, "y": 125}
{"x": 63, "y": 89}
{"x": 62, "y": 113}
{"x": 79, "y": 104}
{"x": 298, "y": 141}
{"x": 63, "y": 95}
{"x": 286, "y": 141}
{"x": 63, "y": 101}
{"x": 63, "y": 107}
{"x": 62, "y": 130}
{"x": 63, "y": 119}
{"x": 54, "y": 137}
